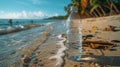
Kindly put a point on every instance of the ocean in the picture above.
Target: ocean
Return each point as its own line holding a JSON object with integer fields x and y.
{"x": 4, "y": 23}
{"x": 11, "y": 44}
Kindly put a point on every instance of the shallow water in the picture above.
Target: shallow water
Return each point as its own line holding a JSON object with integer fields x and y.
{"x": 11, "y": 44}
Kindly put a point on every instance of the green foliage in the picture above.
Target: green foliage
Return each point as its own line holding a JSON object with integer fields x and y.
{"x": 57, "y": 17}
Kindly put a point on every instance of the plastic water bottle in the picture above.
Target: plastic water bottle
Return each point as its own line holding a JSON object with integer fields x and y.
{"x": 74, "y": 36}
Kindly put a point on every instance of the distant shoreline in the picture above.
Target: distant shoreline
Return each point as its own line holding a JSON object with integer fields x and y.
{"x": 65, "y": 17}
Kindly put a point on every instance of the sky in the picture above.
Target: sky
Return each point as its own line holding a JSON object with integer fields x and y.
{"x": 35, "y": 9}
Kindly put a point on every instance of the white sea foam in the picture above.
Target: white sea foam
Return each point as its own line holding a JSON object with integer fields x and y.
{"x": 21, "y": 26}
{"x": 49, "y": 23}
{"x": 60, "y": 53}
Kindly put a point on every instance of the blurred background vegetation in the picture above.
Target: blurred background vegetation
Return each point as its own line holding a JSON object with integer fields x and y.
{"x": 95, "y": 8}
{"x": 92, "y": 8}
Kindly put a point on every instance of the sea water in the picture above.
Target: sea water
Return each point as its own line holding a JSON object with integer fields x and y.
{"x": 11, "y": 45}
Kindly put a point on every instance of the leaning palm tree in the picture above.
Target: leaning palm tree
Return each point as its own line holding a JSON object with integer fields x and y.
{"x": 97, "y": 6}
{"x": 114, "y": 6}
{"x": 111, "y": 6}
{"x": 84, "y": 5}
{"x": 85, "y": 8}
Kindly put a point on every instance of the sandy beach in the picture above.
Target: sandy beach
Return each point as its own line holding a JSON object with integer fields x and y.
{"x": 94, "y": 30}
{"x": 59, "y": 33}
{"x": 101, "y": 45}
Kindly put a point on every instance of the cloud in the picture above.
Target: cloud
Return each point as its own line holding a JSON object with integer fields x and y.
{"x": 26, "y": 15}
{"x": 56, "y": 14}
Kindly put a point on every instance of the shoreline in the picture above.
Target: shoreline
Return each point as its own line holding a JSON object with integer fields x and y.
{"x": 18, "y": 28}
{"x": 91, "y": 35}
{"x": 93, "y": 29}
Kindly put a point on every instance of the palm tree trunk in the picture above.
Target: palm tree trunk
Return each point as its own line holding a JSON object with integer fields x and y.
{"x": 116, "y": 9}
{"x": 88, "y": 14}
{"x": 109, "y": 7}
{"x": 95, "y": 14}
{"x": 91, "y": 14}
{"x": 98, "y": 12}
{"x": 102, "y": 10}
{"x": 110, "y": 10}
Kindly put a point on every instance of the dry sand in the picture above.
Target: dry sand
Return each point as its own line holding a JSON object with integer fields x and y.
{"x": 94, "y": 27}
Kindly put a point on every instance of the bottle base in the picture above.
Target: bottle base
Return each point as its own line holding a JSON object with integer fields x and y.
{"x": 75, "y": 58}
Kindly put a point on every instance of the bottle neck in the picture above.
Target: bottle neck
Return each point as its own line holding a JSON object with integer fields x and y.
{"x": 74, "y": 15}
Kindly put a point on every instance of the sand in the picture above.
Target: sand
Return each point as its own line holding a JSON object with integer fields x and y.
{"x": 91, "y": 26}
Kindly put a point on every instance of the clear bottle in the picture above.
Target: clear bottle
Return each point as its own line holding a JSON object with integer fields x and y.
{"x": 74, "y": 36}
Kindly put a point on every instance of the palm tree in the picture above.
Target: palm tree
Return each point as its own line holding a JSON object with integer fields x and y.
{"x": 97, "y": 6}
{"x": 83, "y": 7}
{"x": 67, "y": 8}
{"x": 84, "y": 4}
{"x": 114, "y": 6}
{"x": 101, "y": 4}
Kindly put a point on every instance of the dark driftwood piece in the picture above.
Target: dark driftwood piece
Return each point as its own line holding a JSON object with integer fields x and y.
{"x": 96, "y": 44}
